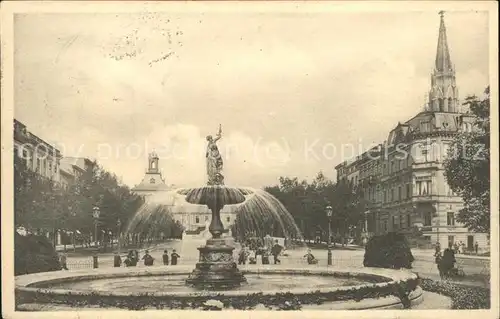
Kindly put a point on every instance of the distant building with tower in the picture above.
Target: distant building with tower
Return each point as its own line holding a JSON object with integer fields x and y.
{"x": 403, "y": 178}
{"x": 193, "y": 218}
{"x": 153, "y": 180}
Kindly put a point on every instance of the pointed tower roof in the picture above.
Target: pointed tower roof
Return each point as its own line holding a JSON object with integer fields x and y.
{"x": 443, "y": 61}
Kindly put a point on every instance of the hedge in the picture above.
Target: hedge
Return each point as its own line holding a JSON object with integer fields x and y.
{"x": 388, "y": 251}
{"x": 33, "y": 254}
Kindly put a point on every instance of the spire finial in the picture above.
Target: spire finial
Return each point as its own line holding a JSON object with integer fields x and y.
{"x": 441, "y": 13}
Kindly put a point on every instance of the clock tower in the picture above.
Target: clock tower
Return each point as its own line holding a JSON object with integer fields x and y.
{"x": 153, "y": 180}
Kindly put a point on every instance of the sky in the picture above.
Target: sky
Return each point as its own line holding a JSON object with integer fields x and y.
{"x": 295, "y": 93}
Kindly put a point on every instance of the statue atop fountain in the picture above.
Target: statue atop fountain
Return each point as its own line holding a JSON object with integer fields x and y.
{"x": 216, "y": 268}
{"x": 214, "y": 160}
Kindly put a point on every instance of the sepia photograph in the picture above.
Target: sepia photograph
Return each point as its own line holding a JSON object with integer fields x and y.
{"x": 249, "y": 156}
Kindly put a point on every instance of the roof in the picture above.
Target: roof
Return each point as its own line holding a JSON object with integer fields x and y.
{"x": 152, "y": 182}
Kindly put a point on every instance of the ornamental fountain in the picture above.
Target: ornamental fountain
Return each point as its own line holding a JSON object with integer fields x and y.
{"x": 216, "y": 268}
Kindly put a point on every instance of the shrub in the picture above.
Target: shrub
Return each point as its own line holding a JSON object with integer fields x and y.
{"x": 34, "y": 254}
{"x": 388, "y": 251}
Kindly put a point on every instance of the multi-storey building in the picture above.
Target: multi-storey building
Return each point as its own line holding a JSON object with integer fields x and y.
{"x": 193, "y": 218}
{"x": 47, "y": 161}
{"x": 73, "y": 168}
{"x": 403, "y": 178}
{"x": 39, "y": 155}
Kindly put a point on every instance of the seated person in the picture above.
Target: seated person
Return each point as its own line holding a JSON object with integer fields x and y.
{"x": 311, "y": 260}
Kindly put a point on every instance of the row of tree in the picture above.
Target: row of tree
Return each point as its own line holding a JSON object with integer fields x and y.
{"x": 307, "y": 203}
{"x": 45, "y": 206}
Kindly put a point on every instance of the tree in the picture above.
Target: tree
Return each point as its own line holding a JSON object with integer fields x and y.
{"x": 467, "y": 167}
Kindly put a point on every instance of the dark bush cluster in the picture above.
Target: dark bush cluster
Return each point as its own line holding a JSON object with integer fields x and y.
{"x": 462, "y": 297}
{"x": 388, "y": 251}
{"x": 33, "y": 254}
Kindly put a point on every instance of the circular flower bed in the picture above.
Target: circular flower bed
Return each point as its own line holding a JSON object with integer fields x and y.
{"x": 400, "y": 289}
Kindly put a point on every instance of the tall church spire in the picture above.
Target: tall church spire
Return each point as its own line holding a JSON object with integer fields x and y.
{"x": 443, "y": 96}
{"x": 443, "y": 61}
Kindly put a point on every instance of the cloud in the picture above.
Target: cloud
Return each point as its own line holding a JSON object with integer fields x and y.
{"x": 276, "y": 82}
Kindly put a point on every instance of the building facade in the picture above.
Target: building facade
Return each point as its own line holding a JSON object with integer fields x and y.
{"x": 403, "y": 179}
{"x": 193, "y": 218}
{"x": 47, "y": 161}
{"x": 40, "y": 156}
{"x": 72, "y": 168}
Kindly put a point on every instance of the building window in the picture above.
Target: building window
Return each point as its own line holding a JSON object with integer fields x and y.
{"x": 424, "y": 126}
{"x": 450, "y": 219}
{"x": 427, "y": 219}
{"x": 385, "y": 225}
{"x": 400, "y": 195}
{"x": 394, "y": 225}
{"x": 392, "y": 194}
{"x": 408, "y": 220}
{"x": 401, "y": 222}
{"x": 408, "y": 190}
{"x": 197, "y": 220}
{"x": 228, "y": 219}
{"x": 423, "y": 187}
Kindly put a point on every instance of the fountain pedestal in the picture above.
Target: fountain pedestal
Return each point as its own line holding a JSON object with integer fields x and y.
{"x": 216, "y": 268}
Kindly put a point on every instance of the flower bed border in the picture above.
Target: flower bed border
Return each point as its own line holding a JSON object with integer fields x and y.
{"x": 401, "y": 284}
{"x": 462, "y": 297}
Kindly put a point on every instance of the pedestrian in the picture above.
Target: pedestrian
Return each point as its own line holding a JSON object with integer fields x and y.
{"x": 438, "y": 247}
{"x": 148, "y": 259}
{"x": 437, "y": 260}
{"x": 132, "y": 261}
{"x": 173, "y": 257}
{"x": 311, "y": 260}
{"x": 265, "y": 257}
{"x": 117, "y": 261}
{"x": 165, "y": 257}
{"x": 63, "y": 261}
{"x": 243, "y": 255}
{"x": 128, "y": 261}
{"x": 276, "y": 251}
{"x": 476, "y": 247}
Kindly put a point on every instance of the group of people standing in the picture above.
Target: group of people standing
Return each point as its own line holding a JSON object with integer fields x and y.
{"x": 133, "y": 258}
{"x": 257, "y": 247}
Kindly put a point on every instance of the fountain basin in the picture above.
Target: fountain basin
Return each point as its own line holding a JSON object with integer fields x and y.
{"x": 369, "y": 288}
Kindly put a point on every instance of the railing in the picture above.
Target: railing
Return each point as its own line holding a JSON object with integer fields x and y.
{"x": 107, "y": 261}
{"x": 80, "y": 264}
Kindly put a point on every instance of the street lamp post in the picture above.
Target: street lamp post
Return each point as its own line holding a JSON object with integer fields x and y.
{"x": 119, "y": 235}
{"x": 96, "y": 213}
{"x": 329, "y": 212}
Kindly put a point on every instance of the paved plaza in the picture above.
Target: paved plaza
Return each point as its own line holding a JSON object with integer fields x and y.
{"x": 474, "y": 267}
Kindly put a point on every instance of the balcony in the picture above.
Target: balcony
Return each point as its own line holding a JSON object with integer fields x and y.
{"x": 424, "y": 198}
